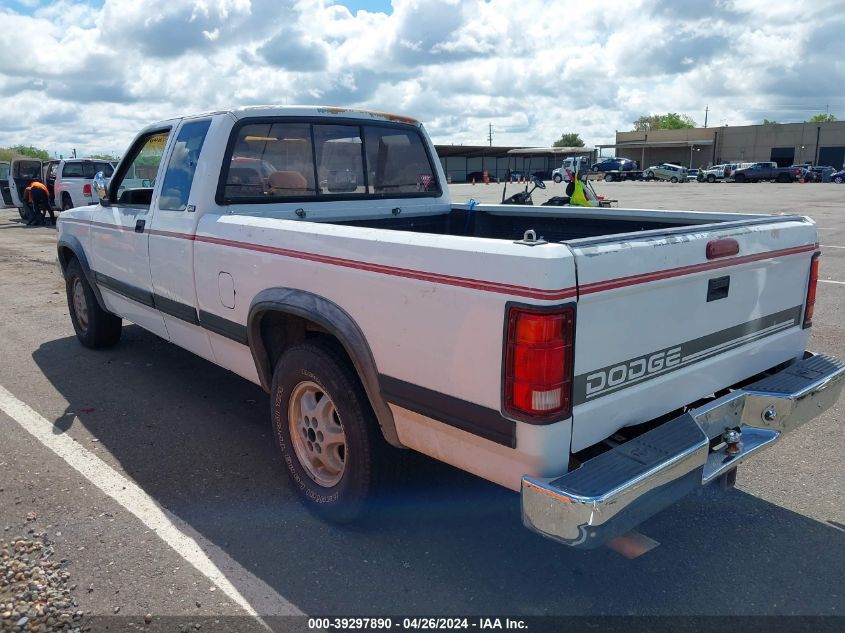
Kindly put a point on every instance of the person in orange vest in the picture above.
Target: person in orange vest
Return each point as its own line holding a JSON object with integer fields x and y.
{"x": 39, "y": 202}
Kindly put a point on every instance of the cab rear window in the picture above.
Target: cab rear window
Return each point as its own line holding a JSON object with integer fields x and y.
{"x": 283, "y": 161}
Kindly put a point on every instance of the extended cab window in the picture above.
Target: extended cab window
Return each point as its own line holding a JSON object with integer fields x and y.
{"x": 182, "y": 165}
{"x": 277, "y": 162}
{"x": 133, "y": 185}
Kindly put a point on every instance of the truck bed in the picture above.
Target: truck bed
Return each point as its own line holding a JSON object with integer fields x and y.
{"x": 554, "y": 224}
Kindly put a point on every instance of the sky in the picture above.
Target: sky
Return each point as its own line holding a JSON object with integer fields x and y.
{"x": 89, "y": 74}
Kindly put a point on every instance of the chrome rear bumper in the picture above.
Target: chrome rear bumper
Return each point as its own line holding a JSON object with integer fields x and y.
{"x": 610, "y": 494}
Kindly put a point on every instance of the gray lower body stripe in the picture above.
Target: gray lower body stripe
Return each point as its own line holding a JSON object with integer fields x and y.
{"x": 177, "y": 309}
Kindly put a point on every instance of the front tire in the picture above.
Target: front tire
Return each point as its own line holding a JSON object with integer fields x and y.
{"x": 673, "y": 179}
{"x": 711, "y": 178}
{"x": 838, "y": 180}
{"x": 331, "y": 444}
{"x": 95, "y": 328}
{"x": 558, "y": 178}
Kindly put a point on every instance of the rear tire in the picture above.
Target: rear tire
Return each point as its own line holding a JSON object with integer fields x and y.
{"x": 673, "y": 179}
{"x": 67, "y": 203}
{"x": 739, "y": 178}
{"x": 95, "y": 328}
{"x": 609, "y": 177}
{"x": 329, "y": 437}
{"x": 649, "y": 175}
{"x": 711, "y": 178}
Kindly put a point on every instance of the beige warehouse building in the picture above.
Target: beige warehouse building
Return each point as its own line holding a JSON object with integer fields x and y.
{"x": 786, "y": 144}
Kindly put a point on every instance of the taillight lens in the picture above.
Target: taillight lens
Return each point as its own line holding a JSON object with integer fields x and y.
{"x": 538, "y": 362}
{"x": 811, "y": 290}
{"x": 86, "y": 191}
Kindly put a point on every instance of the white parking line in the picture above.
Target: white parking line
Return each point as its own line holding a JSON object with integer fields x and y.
{"x": 829, "y": 246}
{"x": 830, "y": 281}
{"x": 211, "y": 561}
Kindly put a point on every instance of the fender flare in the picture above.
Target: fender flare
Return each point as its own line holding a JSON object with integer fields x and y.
{"x": 72, "y": 243}
{"x": 334, "y": 320}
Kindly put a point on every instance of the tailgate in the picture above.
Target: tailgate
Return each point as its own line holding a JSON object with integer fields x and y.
{"x": 661, "y": 324}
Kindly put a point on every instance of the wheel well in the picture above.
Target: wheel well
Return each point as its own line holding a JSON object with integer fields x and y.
{"x": 66, "y": 255}
{"x": 280, "y": 331}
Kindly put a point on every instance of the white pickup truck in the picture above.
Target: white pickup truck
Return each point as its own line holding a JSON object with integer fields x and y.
{"x": 602, "y": 362}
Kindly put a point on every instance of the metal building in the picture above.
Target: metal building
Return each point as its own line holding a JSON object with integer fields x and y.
{"x": 784, "y": 143}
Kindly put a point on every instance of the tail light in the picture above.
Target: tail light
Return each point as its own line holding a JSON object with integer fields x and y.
{"x": 811, "y": 290}
{"x": 538, "y": 362}
{"x": 86, "y": 191}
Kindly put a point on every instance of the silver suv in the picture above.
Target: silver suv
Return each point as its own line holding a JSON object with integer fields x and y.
{"x": 666, "y": 171}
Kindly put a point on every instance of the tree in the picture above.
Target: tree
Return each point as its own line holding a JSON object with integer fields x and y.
{"x": 18, "y": 151}
{"x": 569, "y": 139}
{"x": 822, "y": 118}
{"x": 768, "y": 122}
{"x": 104, "y": 157}
{"x": 668, "y": 121}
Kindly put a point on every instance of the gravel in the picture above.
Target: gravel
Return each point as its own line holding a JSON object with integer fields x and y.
{"x": 33, "y": 589}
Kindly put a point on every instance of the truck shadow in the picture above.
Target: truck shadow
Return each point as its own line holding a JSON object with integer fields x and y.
{"x": 197, "y": 439}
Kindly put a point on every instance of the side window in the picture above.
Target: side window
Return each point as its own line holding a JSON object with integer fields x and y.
{"x": 133, "y": 185}
{"x": 397, "y": 162}
{"x": 340, "y": 161}
{"x": 72, "y": 170}
{"x": 183, "y": 163}
{"x": 271, "y": 161}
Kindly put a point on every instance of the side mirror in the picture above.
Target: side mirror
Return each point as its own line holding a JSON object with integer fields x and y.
{"x": 100, "y": 187}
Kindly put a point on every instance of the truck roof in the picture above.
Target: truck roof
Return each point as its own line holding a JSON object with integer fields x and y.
{"x": 299, "y": 111}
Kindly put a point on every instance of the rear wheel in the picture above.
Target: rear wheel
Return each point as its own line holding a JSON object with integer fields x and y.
{"x": 67, "y": 203}
{"x": 94, "y": 327}
{"x": 739, "y": 178}
{"x": 649, "y": 175}
{"x": 332, "y": 447}
{"x": 673, "y": 179}
{"x": 609, "y": 177}
{"x": 711, "y": 178}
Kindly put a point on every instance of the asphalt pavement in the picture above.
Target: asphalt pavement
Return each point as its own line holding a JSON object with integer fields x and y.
{"x": 130, "y": 449}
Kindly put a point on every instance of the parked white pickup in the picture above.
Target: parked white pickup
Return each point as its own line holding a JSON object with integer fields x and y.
{"x": 604, "y": 368}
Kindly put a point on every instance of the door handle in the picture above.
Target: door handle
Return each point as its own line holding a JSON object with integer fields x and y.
{"x": 139, "y": 226}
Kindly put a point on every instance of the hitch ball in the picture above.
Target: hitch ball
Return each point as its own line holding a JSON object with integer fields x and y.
{"x": 770, "y": 414}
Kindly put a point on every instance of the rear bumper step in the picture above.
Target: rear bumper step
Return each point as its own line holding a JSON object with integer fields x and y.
{"x": 612, "y": 493}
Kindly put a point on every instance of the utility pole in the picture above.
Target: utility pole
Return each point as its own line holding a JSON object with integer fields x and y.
{"x": 706, "y": 112}
{"x": 74, "y": 152}
{"x": 490, "y": 135}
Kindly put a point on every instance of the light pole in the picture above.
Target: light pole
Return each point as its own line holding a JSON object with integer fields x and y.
{"x": 692, "y": 148}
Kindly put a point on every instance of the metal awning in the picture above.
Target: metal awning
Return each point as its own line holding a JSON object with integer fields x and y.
{"x": 645, "y": 143}
{"x": 550, "y": 150}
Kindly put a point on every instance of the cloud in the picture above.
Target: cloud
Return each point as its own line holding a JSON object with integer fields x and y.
{"x": 94, "y": 73}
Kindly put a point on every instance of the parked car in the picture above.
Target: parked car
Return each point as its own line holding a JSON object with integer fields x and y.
{"x": 716, "y": 172}
{"x": 5, "y": 193}
{"x": 568, "y": 372}
{"x": 823, "y": 172}
{"x": 838, "y": 177}
{"x": 666, "y": 171}
{"x": 766, "y": 171}
{"x": 614, "y": 164}
{"x": 693, "y": 175}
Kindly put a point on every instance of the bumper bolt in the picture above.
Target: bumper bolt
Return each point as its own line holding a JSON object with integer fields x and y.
{"x": 732, "y": 437}
{"x": 770, "y": 414}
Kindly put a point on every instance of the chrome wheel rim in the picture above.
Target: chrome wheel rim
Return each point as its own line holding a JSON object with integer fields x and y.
{"x": 80, "y": 307}
{"x": 317, "y": 434}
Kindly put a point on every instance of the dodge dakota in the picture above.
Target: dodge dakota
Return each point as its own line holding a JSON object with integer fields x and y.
{"x": 600, "y": 362}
